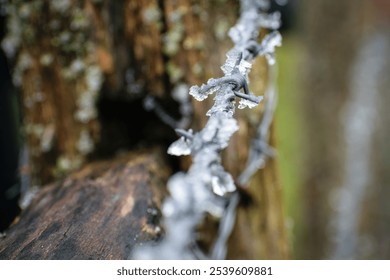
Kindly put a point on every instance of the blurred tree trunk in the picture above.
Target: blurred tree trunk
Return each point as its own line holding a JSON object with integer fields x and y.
{"x": 343, "y": 89}
{"x": 84, "y": 68}
{"x": 331, "y": 34}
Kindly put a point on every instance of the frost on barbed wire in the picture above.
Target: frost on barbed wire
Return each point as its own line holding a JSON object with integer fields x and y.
{"x": 260, "y": 149}
{"x": 207, "y": 187}
{"x": 180, "y": 95}
{"x": 267, "y": 47}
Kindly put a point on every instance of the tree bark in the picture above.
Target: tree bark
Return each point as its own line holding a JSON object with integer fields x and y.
{"x": 99, "y": 212}
{"x": 347, "y": 54}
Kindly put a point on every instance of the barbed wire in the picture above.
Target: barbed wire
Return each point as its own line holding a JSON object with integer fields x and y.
{"x": 207, "y": 188}
{"x": 260, "y": 149}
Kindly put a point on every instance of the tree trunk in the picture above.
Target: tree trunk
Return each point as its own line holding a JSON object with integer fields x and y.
{"x": 77, "y": 54}
{"x": 348, "y": 50}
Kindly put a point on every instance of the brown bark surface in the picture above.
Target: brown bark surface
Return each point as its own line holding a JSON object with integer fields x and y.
{"x": 99, "y": 212}
{"x": 260, "y": 231}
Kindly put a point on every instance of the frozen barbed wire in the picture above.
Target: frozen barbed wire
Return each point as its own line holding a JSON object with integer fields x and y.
{"x": 267, "y": 47}
{"x": 179, "y": 94}
{"x": 219, "y": 249}
{"x": 207, "y": 187}
{"x": 181, "y": 147}
{"x": 236, "y": 73}
{"x": 255, "y": 14}
{"x": 260, "y": 149}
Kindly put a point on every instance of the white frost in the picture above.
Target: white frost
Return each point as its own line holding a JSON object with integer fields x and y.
{"x": 197, "y": 94}
{"x": 181, "y": 147}
{"x": 244, "y": 67}
{"x": 268, "y": 45}
{"x": 232, "y": 57}
{"x": 244, "y": 103}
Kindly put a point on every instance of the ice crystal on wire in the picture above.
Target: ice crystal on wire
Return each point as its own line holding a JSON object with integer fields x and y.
{"x": 221, "y": 181}
{"x": 270, "y": 21}
{"x": 197, "y": 94}
{"x": 227, "y": 127}
{"x": 245, "y": 103}
{"x": 223, "y": 102}
{"x": 178, "y": 193}
{"x": 244, "y": 68}
{"x": 267, "y": 47}
{"x": 232, "y": 57}
{"x": 202, "y": 92}
{"x": 219, "y": 130}
{"x": 181, "y": 147}
{"x": 241, "y": 33}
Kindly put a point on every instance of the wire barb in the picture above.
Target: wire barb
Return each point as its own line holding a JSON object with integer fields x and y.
{"x": 184, "y": 133}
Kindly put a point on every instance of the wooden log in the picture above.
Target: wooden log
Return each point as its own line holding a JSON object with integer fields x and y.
{"x": 99, "y": 212}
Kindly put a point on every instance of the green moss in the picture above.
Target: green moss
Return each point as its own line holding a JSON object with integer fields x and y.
{"x": 60, "y": 6}
{"x": 79, "y": 20}
{"x": 197, "y": 69}
{"x": 221, "y": 28}
{"x": 172, "y": 40}
{"x": 35, "y": 129}
{"x": 85, "y": 144}
{"x": 46, "y": 59}
{"x": 152, "y": 15}
{"x": 65, "y": 164}
{"x": 175, "y": 73}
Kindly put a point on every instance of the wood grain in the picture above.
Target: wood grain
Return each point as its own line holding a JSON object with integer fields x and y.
{"x": 100, "y": 212}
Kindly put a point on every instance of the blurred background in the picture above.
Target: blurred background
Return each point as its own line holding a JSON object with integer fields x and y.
{"x": 332, "y": 128}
